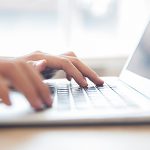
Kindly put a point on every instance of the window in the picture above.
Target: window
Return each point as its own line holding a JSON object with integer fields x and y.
{"x": 92, "y": 28}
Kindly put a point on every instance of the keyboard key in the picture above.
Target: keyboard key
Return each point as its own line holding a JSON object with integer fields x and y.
{"x": 113, "y": 98}
{"x": 96, "y": 98}
{"x": 79, "y": 98}
{"x": 63, "y": 97}
{"x": 73, "y": 96}
{"x": 123, "y": 92}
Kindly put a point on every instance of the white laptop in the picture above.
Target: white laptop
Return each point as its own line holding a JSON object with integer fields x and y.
{"x": 121, "y": 100}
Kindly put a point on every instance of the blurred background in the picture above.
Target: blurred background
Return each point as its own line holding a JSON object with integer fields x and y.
{"x": 101, "y": 32}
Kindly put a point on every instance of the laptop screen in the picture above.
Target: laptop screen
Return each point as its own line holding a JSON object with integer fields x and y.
{"x": 140, "y": 61}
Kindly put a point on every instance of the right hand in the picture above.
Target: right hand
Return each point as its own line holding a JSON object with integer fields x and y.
{"x": 68, "y": 62}
{"x": 24, "y": 78}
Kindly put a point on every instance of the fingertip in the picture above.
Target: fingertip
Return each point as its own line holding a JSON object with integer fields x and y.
{"x": 84, "y": 83}
{"x": 68, "y": 78}
{"x": 8, "y": 103}
{"x": 49, "y": 101}
{"x": 38, "y": 105}
{"x": 47, "y": 95}
{"x": 99, "y": 82}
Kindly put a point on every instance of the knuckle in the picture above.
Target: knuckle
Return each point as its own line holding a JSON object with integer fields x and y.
{"x": 76, "y": 60}
{"x": 65, "y": 61}
{"x": 65, "y": 64}
{"x": 72, "y": 53}
{"x": 37, "y": 52}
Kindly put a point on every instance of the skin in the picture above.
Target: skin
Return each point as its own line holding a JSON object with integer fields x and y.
{"x": 68, "y": 62}
{"x": 24, "y": 78}
{"x": 23, "y": 74}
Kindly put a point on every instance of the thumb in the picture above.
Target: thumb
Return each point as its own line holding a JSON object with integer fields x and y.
{"x": 39, "y": 65}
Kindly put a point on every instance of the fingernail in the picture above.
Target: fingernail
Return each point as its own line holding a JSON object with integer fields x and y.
{"x": 39, "y": 109}
{"x": 38, "y": 105}
{"x": 85, "y": 84}
{"x": 8, "y": 103}
{"x": 49, "y": 101}
{"x": 100, "y": 82}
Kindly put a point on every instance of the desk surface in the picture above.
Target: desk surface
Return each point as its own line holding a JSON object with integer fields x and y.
{"x": 76, "y": 138}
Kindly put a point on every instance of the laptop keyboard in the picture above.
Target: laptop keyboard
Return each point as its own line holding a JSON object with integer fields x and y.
{"x": 68, "y": 96}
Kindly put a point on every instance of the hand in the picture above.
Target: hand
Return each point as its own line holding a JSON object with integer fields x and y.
{"x": 68, "y": 62}
{"x": 24, "y": 78}
{"x": 41, "y": 66}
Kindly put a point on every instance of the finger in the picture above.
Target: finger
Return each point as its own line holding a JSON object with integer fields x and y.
{"x": 70, "y": 53}
{"x": 86, "y": 71}
{"x": 73, "y": 72}
{"x": 41, "y": 88}
{"x": 57, "y": 62}
{"x": 66, "y": 65}
{"x": 4, "y": 91}
{"x": 39, "y": 65}
{"x": 22, "y": 83}
{"x": 68, "y": 77}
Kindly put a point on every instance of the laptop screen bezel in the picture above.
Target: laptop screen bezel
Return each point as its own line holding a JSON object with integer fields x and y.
{"x": 141, "y": 84}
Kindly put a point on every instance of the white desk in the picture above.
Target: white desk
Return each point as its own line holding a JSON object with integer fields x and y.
{"x": 76, "y": 138}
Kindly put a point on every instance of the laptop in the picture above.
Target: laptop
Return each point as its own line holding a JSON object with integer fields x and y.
{"x": 121, "y": 100}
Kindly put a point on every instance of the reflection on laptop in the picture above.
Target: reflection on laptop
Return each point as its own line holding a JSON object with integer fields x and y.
{"x": 121, "y": 100}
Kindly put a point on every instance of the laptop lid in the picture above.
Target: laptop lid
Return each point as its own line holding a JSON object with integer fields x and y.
{"x": 136, "y": 72}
